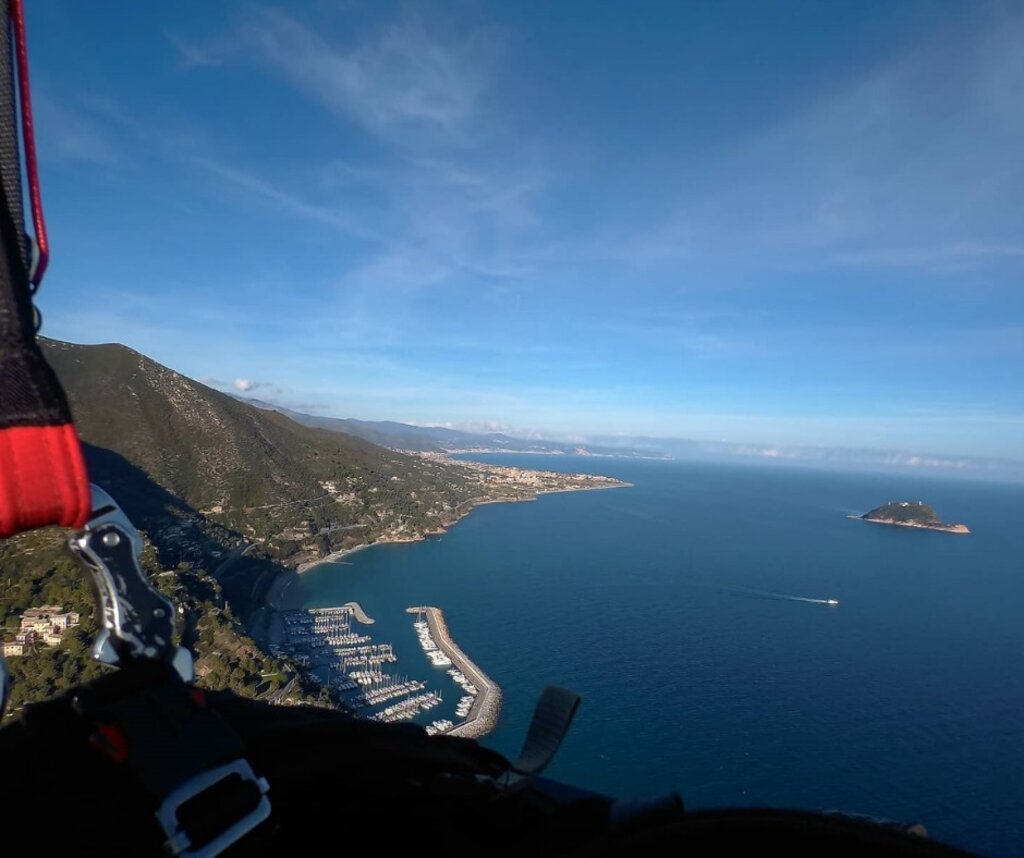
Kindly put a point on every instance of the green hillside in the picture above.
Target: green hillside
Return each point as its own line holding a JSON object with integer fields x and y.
{"x": 211, "y": 451}
{"x": 205, "y": 477}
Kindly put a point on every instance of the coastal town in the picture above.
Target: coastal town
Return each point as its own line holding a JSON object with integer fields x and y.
{"x": 523, "y": 483}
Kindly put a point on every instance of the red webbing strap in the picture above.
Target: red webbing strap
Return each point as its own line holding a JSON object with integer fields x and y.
{"x": 42, "y": 478}
{"x": 42, "y": 472}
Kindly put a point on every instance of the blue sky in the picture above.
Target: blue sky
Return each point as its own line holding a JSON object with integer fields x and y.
{"x": 796, "y": 223}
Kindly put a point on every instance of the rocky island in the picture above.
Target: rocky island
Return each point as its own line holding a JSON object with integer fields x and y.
{"x": 911, "y": 514}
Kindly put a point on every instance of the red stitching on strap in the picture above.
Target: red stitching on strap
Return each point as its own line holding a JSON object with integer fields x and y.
{"x": 29, "y": 135}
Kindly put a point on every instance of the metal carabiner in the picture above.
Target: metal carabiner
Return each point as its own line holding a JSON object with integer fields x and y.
{"x": 137, "y": 620}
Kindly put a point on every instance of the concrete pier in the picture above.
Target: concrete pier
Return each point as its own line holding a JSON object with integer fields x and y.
{"x": 360, "y": 615}
{"x": 353, "y": 608}
{"x": 483, "y": 716}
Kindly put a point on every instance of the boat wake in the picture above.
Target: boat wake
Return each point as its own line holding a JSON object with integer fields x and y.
{"x": 805, "y": 599}
{"x": 788, "y": 597}
{"x": 770, "y": 594}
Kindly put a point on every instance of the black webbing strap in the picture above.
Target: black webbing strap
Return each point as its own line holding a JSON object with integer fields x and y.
{"x": 100, "y": 759}
{"x": 42, "y": 472}
{"x": 10, "y": 160}
{"x": 169, "y": 765}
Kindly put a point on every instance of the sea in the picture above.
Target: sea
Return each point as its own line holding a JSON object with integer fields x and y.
{"x": 690, "y": 613}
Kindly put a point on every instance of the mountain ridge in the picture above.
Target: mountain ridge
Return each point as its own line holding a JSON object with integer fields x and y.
{"x": 203, "y": 477}
{"x": 412, "y": 437}
{"x": 408, "y": 436}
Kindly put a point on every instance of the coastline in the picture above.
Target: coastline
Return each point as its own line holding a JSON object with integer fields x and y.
{"x": 618, "y": 485}
{"x": 483, "y": 715}
{"x": 335, "y": 556}
{"x": 502, "y": 452}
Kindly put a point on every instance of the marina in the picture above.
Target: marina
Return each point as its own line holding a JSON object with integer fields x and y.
{"x": 386, "y": 692}
{"x": 442, "y": 725}
{"x": 357, "y": 671}
{"x": 408, "y": 708}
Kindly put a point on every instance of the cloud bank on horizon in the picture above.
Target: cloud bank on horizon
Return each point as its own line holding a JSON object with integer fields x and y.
{"x": 786, "y": 227}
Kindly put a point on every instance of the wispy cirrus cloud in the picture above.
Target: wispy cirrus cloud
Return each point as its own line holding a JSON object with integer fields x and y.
{"x": 287, "y": 200}
{"x": 938, "y": 257}
{"x": 401, "y": 77}
{"x": 192, "y": 55}
{"x": 441, "y": 202}
{"x": 442, "y": 211}
{"x": 910, "y": 164}
{"x": 76, "y": 131}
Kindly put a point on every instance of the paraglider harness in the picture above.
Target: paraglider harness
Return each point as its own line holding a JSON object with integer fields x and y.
{"x": 141, "y": 761}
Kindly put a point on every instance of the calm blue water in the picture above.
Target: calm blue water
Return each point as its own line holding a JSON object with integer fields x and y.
{"x": 906, "y": 700}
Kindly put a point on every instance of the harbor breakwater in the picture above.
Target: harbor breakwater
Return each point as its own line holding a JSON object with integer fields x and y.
{"x": 483, "y": 716}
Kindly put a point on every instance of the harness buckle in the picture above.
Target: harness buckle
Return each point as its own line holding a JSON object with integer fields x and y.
{"x": 217, "y": 781}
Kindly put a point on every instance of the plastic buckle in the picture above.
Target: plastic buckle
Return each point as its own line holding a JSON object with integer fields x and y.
{"x": 179, "y": 843}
